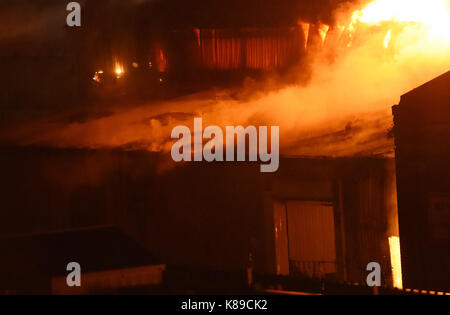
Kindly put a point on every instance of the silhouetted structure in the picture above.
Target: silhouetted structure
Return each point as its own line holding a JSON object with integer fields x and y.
{"x": 422, "y": 138}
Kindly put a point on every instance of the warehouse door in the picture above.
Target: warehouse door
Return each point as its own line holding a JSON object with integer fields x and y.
{"x": 305, "y": 238}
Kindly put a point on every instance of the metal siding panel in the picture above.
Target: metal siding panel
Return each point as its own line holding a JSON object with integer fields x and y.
{"x": 311, "y": 237}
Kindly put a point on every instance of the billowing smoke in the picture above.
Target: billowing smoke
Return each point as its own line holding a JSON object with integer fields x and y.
{"x": 343, "y": 110}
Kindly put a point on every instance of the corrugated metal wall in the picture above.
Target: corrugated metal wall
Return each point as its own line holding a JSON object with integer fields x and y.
{"x": 246, "y": 48}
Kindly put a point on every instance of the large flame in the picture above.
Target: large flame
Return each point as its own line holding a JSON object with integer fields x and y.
{"x": 433, "y": 13}
{"x": 427, "y": 17}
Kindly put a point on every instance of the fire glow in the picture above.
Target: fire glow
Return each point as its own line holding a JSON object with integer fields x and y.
{"x": 429, "y": 17}
{"x": 396, "y": 262}
{"x": 118, "y": 70}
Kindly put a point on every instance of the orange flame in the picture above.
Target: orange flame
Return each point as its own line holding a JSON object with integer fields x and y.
{"x": 305, "y": 28}
{"x": 323, "y": 31}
